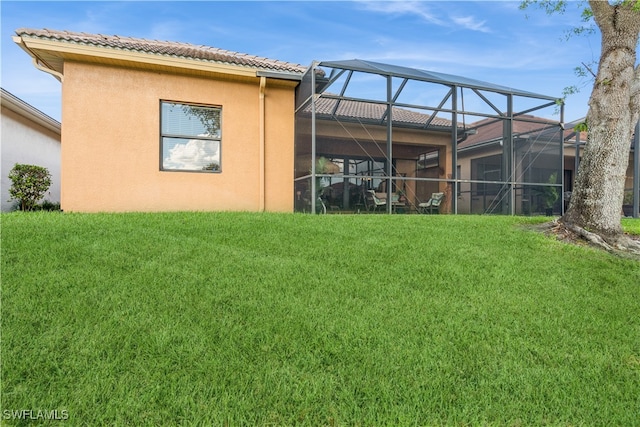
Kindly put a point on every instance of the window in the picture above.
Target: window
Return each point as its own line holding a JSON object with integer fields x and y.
{"x": 487, "y": 169}
{"x": 428, "y": 160}
{"x": 190, "y": 137}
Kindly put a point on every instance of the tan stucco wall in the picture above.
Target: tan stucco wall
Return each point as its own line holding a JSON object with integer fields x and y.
{"x": 464, "y": 200}
{"x": 111, "y": 143}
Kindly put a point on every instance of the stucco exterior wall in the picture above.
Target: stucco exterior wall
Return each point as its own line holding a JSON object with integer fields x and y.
{"x": 464, "y": 199}
{"x": 24, "y": 141}
{"x": 111, "y": 143}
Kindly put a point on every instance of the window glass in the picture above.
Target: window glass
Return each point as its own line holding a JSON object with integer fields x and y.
{"x": 191, "y": 137}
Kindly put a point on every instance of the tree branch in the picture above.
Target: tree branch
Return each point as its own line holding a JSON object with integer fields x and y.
{"x": 602, "y": 13}
{"x": 589, "y": 69}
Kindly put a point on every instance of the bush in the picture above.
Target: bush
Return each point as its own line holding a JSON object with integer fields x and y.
{"x": 29, "y": 184}
{"x": 628, "y": 197}
{"x": 49, "y": 206}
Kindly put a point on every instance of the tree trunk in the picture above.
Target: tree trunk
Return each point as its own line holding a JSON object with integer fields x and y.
{"x": 596, "y": 202}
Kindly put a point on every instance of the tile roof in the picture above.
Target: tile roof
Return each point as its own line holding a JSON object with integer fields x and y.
{"x": 164, "y": 48}
{"x": 350, "y": 109}
{"x": 492, "y": 129}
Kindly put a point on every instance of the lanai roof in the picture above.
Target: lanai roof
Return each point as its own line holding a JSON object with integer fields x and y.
{"x": 427, "y": 76}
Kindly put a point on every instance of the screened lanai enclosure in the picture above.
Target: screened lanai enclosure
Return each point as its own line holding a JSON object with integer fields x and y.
{"x": 374, "y": 137}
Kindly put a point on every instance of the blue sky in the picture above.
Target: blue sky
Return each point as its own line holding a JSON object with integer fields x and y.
{"x": 491, "y": 41}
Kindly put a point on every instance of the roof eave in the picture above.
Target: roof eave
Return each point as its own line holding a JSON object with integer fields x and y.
{"x": 279, "y": 75}
{"x": 20, "y": 107}
{"x": 63, "y": 51}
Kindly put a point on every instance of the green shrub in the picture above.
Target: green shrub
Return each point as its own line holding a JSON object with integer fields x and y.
{"x": 29, "y": 184}
{"x": 49, "y": 206}
{"x": 628, "y": 197}
{"x": 550, "y": 194}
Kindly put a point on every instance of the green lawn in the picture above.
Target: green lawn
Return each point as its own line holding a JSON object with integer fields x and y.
{"x": 283, "y": 319}
{"x": 631, "y": 226}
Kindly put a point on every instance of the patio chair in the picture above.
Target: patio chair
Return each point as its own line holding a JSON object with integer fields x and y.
{"x": 320, "y": 206}
{"x": 433, "y": 203}
{"x": 374, "y": 202}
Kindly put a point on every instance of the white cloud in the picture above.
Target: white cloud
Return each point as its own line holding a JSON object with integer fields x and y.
{"x": 471, "y": 23}
{"x": 403, "y": 8}
{"x": 192, "y": 155}
{"x": 422, "y": 10}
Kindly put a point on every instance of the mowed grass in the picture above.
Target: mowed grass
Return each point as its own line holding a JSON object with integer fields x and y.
{"x": 283, "y": 319}
{"x": 631, "y": 226}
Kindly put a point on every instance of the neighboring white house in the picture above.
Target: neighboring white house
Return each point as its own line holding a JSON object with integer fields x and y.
{"x": 28, "y": 136}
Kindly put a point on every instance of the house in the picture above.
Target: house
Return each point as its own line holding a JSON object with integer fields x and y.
{"x": 534, "y": 160}
{"x": 29, "y": 136}
{"x": 166, "y": 126}
{"x": 163, "y": 126}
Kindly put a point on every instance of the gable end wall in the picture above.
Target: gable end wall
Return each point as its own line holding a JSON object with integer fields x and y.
{"x": 111, "y": 143}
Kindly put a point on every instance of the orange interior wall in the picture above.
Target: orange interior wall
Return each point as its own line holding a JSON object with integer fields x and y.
{"x": 111, "y": 143}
